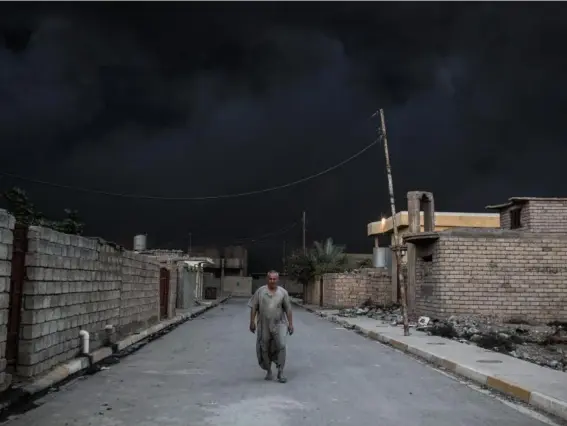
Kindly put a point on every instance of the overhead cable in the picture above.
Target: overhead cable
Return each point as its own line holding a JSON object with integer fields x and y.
{"x": 200, "y": 198}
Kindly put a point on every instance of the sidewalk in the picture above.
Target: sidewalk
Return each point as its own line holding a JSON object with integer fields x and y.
{"x": 538, "y": 386}
{"x": 80, "y": 365}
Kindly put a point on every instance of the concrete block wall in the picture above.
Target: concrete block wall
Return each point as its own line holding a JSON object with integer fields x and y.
{"x": 350, "y": 289}
{"x": 7, "y": 224}
{"x": 238, "y": 286}
{"x": 71, "y": 283}
{"x": 75, "y": 283}
{"x": 506, "y": 274}
{"x": 173, "y": 283}
{"x": 292, "y": 286}
{"x": 139, "y": 302}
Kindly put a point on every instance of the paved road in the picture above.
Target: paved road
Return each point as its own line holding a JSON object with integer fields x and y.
{"x": 205, "y": 373}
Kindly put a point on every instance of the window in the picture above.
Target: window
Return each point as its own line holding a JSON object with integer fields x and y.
{"x": 515, "y": 219}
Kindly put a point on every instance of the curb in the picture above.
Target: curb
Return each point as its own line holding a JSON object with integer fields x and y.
{"x": 81, "y": 365}
{"x": 538, "y": 400}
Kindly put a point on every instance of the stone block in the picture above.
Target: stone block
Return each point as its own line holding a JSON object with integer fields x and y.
{"x": 7, "y": 221}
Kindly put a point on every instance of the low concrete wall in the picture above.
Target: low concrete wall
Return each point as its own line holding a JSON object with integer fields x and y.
{"x": 292, "y": 286}
{"x": 139, "y": 291}
{"x": 76, "y": 283}
{"x": 6, "y": 239}
{"x": 238, "y": 286}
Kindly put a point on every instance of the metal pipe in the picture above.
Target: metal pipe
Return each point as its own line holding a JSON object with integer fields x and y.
{"x": 84, "y": 334}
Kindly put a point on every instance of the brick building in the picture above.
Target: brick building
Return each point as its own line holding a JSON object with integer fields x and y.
{"x": 533, "y": 214}
{"x": 384, "y": 229}
{"x": 517, "y": 271}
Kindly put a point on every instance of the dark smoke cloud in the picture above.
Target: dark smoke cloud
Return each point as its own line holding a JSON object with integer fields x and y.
{"x": 189, "y": 99}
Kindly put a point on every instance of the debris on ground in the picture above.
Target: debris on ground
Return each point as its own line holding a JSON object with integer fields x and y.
{"x": 391, "y": 314}
{"x": 544, "y": 345}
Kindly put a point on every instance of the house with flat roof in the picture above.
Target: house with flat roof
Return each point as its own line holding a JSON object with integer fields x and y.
{"x": 442, "y": 221}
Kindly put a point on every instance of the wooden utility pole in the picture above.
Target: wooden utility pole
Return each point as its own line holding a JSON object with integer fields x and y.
{"x": 397, "y": 242}
{"x": 190, "y": 244}
{"x": 303, "y": 225}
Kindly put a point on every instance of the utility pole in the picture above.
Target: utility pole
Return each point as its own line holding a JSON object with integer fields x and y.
{"x": 397, "y": 242}
{"x": 190, "y": 244}
{"x": 303, "y": 225}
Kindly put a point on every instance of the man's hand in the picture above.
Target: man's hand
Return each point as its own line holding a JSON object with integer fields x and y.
{"x": 253, "y": 327}
{"x": 290, "y": 329}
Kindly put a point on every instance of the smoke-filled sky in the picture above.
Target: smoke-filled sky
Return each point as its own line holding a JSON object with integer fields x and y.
{"x": 198, "y": 99}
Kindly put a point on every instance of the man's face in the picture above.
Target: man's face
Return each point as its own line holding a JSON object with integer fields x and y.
{"x": 272, "y": 280}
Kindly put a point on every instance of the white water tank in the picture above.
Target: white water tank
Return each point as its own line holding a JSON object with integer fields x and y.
{"x": 379, "y": 257}
{"x": 140, "y": 242}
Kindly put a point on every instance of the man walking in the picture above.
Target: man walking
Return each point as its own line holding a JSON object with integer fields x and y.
{"x": 271, "y": 307}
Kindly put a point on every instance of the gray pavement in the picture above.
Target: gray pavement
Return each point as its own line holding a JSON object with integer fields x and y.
{"x": 205, "y": 373}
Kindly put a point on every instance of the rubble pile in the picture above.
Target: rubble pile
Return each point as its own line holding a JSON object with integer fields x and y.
{"x": 391, "y": 314}
{"x": 544, "y": 345}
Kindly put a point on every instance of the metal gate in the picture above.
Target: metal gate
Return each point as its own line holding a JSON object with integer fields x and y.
{"x": 20, "y": 247}
{"x": 163, "y": 291}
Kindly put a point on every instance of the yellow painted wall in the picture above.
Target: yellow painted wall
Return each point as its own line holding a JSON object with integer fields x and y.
{"x": 443, "y": 220}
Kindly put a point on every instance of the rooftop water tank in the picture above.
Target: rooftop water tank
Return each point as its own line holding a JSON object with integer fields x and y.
{"x": 379, "y": 255}
{"x": 140, "y": 242}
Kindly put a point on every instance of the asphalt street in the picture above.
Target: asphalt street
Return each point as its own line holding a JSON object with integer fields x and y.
{"x": 205, "y": 373}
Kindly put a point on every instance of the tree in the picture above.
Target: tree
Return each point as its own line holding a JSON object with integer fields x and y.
{"x": 71, "y": 224}
{"x": 324, "y": 257}
{"x": 22, "y": 207}
{"x": 301, "y": 267}
{"x": 26, "y": 213}
{"x": 328, "y": 257}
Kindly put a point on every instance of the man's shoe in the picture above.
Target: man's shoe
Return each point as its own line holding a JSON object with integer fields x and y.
{"x": 269, "y": 375}
{"x": 281, "y": 377}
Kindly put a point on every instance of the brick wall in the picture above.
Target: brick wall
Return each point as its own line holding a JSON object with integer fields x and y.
{"x": 6, "y": 238}
{"x": 75, "y": 283}
{"x": 539, "y": 215}
{"x": 508, "y": 274}
{"x": 350, "y": 289}
{"x": 547, "y": 216}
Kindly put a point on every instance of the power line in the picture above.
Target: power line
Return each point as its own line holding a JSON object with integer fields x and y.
{"x": 208, "y": 197}
{"x": 281, "y": 231}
